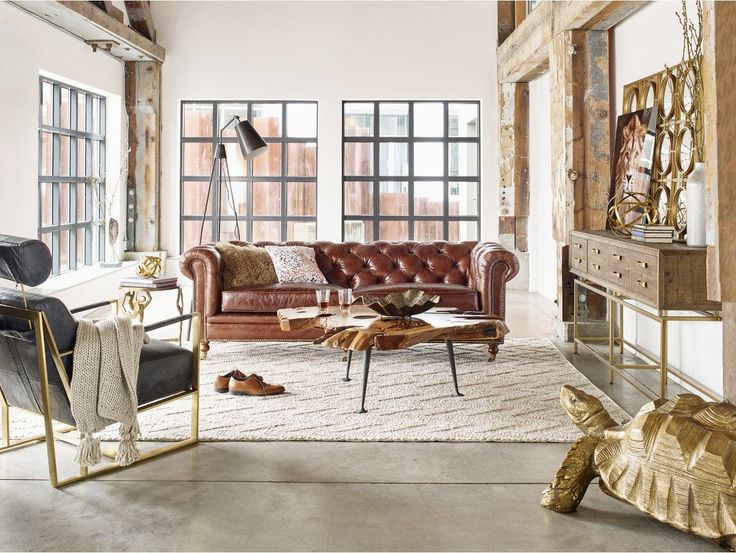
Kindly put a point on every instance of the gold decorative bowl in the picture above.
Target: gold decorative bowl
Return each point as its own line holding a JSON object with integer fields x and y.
{"x": 401, "y": 304}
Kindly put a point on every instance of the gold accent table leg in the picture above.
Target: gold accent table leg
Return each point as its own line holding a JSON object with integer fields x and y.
{"x": 128, "y": 303}
{"x": 575, "y": 317}
{"x": 611, "y": 338}
{"x": 143, "y": 299}
{"x": 663, "y": 341}
{"x": 180, "y": 308}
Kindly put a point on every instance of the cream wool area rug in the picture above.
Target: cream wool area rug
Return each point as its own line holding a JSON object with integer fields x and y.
{"x": 410, "y": 396}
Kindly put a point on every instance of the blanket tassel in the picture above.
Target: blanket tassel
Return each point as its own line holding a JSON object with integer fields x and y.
{"x": 88, "y": 451}
{"x": 128, "y": 452}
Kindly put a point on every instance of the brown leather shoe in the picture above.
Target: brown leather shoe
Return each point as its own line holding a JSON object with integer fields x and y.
{"x": 223, "y": 382}
{"x": 253, "y": 386}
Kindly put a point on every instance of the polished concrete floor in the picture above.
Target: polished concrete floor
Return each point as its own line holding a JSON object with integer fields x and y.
{"x": 307, "y": 496}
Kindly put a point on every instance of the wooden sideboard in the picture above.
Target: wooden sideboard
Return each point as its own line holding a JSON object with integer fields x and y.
{"x": 665, "y": 278}
{"x": 662, "y": 276}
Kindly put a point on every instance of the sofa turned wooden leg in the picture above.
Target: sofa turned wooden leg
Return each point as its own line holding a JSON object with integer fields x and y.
{"x": 492, "y": 351}
{"x": 204, "y": 348}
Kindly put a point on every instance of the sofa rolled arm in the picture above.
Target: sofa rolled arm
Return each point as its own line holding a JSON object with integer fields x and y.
{"x": 204, "y": 267}
{"x": 491, "y": 267}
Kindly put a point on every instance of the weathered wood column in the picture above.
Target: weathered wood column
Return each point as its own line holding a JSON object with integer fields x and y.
{"x": 513, "y": 134}
{"x": 719, "y": 57}
{"x": 143, "y": 107}
{"x": 580, "y": 104}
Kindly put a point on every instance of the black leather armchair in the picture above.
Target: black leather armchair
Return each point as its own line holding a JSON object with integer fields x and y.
{"x": 37, "y": 335}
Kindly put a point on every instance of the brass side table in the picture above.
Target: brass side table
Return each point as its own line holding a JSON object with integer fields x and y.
{"x": 136, "y": 300}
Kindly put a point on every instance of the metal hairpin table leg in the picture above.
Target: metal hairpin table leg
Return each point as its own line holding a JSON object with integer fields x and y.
{"x": 366, "y": 367}
{"x": 451, "y": 354}
{"x": 349, "y": 354}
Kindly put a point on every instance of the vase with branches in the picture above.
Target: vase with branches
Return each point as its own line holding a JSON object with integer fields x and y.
{"x": 691, "y": 74}
{"x": 104, "y": 204}
{"x": 690, "y": 78}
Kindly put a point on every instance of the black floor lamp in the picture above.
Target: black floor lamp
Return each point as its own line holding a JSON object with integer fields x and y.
{"x": 251, "y": 145}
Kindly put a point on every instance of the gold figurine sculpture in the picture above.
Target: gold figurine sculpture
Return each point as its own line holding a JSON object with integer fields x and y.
{"x": 676, "y": 460}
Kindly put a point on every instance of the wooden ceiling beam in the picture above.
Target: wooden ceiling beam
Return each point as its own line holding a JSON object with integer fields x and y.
{"x": 108, "y": 8}
{"x": 524, "y": 55}
{"x": 140, "y": 19}
{"x": 94, "y": 26}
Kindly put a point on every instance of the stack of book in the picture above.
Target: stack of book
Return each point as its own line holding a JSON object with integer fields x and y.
{"x": 659, "y": 234}
{"x": 147, "y": 282}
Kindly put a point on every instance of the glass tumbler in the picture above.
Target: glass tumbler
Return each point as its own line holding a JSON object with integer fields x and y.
{"x": 345, "y": 297}
{"x": 323, "y": 300}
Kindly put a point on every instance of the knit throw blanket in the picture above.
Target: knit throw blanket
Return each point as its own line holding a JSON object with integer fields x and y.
{"x": 103, "y": 387}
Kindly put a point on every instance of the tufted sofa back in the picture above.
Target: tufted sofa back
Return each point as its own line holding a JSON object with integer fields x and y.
{"x": 353, "y": 264}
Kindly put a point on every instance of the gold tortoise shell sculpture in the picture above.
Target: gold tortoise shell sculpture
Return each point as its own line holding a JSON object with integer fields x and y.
{"x": 675, "y": 460}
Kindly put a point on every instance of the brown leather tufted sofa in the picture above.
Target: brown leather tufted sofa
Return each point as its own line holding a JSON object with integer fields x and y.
{"x": 471, "y": 276}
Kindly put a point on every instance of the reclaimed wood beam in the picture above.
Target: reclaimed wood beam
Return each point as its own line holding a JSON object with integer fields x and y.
{"x": 143, "y": 107}
{"x": 513, "y": 134}
{"x": 524, "y": 54}
{"x": 140, "y": 19}
{"x": 87, "y": 22}
{"x": 506, "y": 25}
{"x": 580, "y": 121}
{"x": 108, "y": 8}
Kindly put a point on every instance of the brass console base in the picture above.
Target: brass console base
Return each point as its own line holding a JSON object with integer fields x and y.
{"x": 661, "y": 316}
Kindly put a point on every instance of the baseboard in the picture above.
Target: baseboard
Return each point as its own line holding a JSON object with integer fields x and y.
{"x": 597, "y": 329}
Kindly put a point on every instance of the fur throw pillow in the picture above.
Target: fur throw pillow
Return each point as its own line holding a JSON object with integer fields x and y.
{"x": 295, "y": 264}
{"x": 245, "y": 266}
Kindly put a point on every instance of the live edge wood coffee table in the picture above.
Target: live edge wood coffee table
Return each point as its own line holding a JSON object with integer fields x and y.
{"x": 364, "y": 330}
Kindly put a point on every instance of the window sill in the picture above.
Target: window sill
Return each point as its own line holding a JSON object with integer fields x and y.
{"x": 59, "y": 283}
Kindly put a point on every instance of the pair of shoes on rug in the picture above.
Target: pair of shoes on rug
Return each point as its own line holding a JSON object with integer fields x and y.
{"x": 240, "y": 384}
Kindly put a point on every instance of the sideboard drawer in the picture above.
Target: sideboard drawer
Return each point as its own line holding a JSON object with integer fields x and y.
{"x": 579, "y": 254}
{"x": 619, "y": 259}
{"x": 597, "y": 254}
{"x": 644, "y": 284}
{"x": 645, "y": 265}
{"x": 578, "y": 263}
{"x": 620, "y": 276}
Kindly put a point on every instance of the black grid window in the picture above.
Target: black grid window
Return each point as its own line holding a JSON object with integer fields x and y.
{"x": 275, "y": 194}
{"x": 71, "y": 169}
{"x": 411, "y": 170}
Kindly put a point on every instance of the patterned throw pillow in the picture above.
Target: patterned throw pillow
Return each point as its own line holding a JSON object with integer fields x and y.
{"x": 245, "y": 266}
{"x": 295, "y": 264}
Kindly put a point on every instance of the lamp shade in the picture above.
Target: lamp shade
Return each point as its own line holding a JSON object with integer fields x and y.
{"x": 251, "y": 143}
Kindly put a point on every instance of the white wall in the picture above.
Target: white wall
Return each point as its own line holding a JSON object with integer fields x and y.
{"x": 329, "y": 52}
{"x": 542, "y": 247}
{"x": 31, "y": 47}
{"x": 694, "y": 347}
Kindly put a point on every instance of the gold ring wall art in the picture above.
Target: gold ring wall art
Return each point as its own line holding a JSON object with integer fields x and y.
{"x": 679, "y": 125}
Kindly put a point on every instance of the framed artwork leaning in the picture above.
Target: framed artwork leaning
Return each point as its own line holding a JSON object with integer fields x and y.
{"x": 631, "y": 173}
{"x": 633, "y": 153}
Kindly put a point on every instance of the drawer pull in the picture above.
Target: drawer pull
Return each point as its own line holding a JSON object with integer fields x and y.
{"x": 641, "y": 283}
{"x": 643, "y": 264}
{"x": 617, "y": 275}
{"x": 596, "y": 250}
{"x": 578, "y": 260}
{"x": 616, "y": 256}
{"x": 596, "y": 267}
{"x": 578, "y": 245}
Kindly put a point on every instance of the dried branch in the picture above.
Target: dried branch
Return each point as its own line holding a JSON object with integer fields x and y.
{"x": 690, "y": 70}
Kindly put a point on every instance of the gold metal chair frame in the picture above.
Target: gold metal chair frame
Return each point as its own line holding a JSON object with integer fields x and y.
{"x": 44, "y": 337}
{"x": 661, "y": 316}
